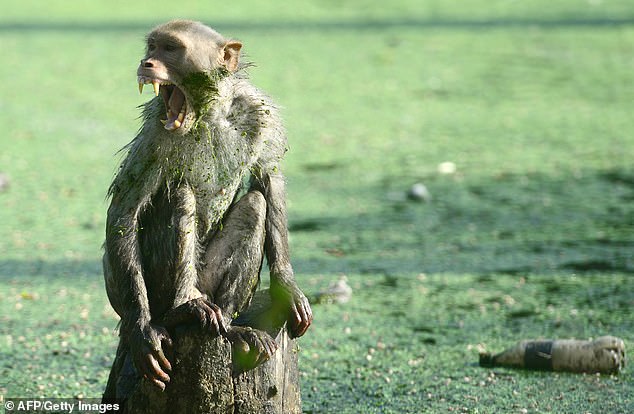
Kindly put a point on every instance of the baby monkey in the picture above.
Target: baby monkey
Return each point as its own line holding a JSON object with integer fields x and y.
{"x": 198, "y": 202}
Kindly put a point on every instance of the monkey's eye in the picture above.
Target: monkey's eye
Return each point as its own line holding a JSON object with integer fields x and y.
{"x": 170, "y": 47}
{"x": 151, "y": 47}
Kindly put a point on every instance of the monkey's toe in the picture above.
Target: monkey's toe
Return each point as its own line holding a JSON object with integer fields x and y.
{"x": 250, "y": 347}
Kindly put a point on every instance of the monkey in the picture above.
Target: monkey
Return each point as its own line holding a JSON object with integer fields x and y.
{"x": 197, "y": 203}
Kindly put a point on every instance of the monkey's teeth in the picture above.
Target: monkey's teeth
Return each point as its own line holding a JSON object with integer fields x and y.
{"x": 140, "y": 87}
{"x": 156, "y": 85}
{"x": 172, "y": 125}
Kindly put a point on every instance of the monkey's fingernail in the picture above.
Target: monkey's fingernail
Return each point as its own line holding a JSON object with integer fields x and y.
{"x": 156, "y": 86}
{"x": 140, "y": 87}
{"x": 163, "y": 121}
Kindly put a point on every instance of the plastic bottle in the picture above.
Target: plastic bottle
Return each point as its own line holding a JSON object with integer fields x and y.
{"x": 605, "y": 354}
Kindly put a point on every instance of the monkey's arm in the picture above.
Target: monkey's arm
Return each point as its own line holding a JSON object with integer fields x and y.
{"x": 124, "y": 278}
{"x": 128, "y": 294}
{"x": 283, "y": 285}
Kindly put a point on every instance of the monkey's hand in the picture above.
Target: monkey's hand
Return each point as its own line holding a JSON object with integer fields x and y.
{"x": 200, "y": 310}
{"x": 300, "y": 314}
{"x": 147, "y": 346}
{"x": 250, "y": 347}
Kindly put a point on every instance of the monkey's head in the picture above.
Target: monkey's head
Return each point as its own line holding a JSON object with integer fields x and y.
{"x": 183, "y": 62}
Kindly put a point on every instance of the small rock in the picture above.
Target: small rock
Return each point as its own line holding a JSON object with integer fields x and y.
{"x": 419, "y": 192}
{"x": 446, "y": 167}
{"x": 337, "y": 292}
{"x": 4, "y": 182}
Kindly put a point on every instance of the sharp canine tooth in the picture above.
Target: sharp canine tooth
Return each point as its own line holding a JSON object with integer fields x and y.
{"x": 156, "y": 86}
{"x": 140, "y": 87}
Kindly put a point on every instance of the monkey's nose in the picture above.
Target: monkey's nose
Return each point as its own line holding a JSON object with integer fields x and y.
{"x": 146, "y": 63}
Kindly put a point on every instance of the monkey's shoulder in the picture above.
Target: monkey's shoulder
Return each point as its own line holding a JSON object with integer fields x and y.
{"x": 240, "y": 101}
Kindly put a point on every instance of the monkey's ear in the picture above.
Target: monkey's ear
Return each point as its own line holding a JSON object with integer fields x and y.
{"x": 231, "y": 55}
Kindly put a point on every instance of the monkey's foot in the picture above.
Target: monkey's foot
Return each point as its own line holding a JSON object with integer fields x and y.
{"x": 250, "y": 347}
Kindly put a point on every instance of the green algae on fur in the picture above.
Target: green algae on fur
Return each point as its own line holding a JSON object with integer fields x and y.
{"x": 202, "y": 89}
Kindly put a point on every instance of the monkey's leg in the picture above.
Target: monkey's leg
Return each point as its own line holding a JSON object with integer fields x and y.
{"x": 233, "y": 260}
{"x": 190, "y": 304}
{"x": 234, "y": 254}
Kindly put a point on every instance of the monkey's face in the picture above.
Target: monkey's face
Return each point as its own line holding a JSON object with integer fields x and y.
{"x": 176, "y": 52}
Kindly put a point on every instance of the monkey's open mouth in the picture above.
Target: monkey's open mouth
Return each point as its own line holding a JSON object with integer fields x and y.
{"x": 174, "y": 99}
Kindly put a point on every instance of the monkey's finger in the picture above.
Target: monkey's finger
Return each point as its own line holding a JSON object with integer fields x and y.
{"x": 271, "y": 347}
{"x": 214, "y": 315}
{"x": 205, "y": 315}
{"x": 164, "y": 337}
{"x": 214, "y": 324}
{"x": 309, "y": 310}
{"x": 157, "y": 383}
{"x": 164, "y": 363}
{"x": 203, "y": 311}
{"x": 214, "y": 321}
{"x": 307, "y": 315}
{"x": 197, "y": 314}
{"x": 299, "y": 330}
{"x": 267, "y": 348}
{"x": 166, "y": 341}
{"x": 303, "y": 313}
{"x": 296, "y": 323}
{"x": 156, "y": 370}
{"x": 219, "y": 318}
{"x": 296, "y": 315}
{"x": 167, "y": 346}
{"x": 146, "y": 370}
{"x": 222, "y": 325}
{"x": 262, "y": 357}
{"x": 254, "y": 341}
{"x": 259, "y": 353}
{"x": 262, "y": 354}
{"x": 303, "y": 328}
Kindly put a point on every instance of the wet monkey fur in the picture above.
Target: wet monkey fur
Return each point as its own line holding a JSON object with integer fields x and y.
{"x": 198, "y": 202}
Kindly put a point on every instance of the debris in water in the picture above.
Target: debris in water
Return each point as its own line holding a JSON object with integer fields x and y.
{"x": 605, "y": 354}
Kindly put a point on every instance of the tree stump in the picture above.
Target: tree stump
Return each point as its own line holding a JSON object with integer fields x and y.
{"x": 205, "y": 378}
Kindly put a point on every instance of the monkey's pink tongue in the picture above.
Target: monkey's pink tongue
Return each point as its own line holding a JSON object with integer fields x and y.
{"x": 176, "y": 112}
